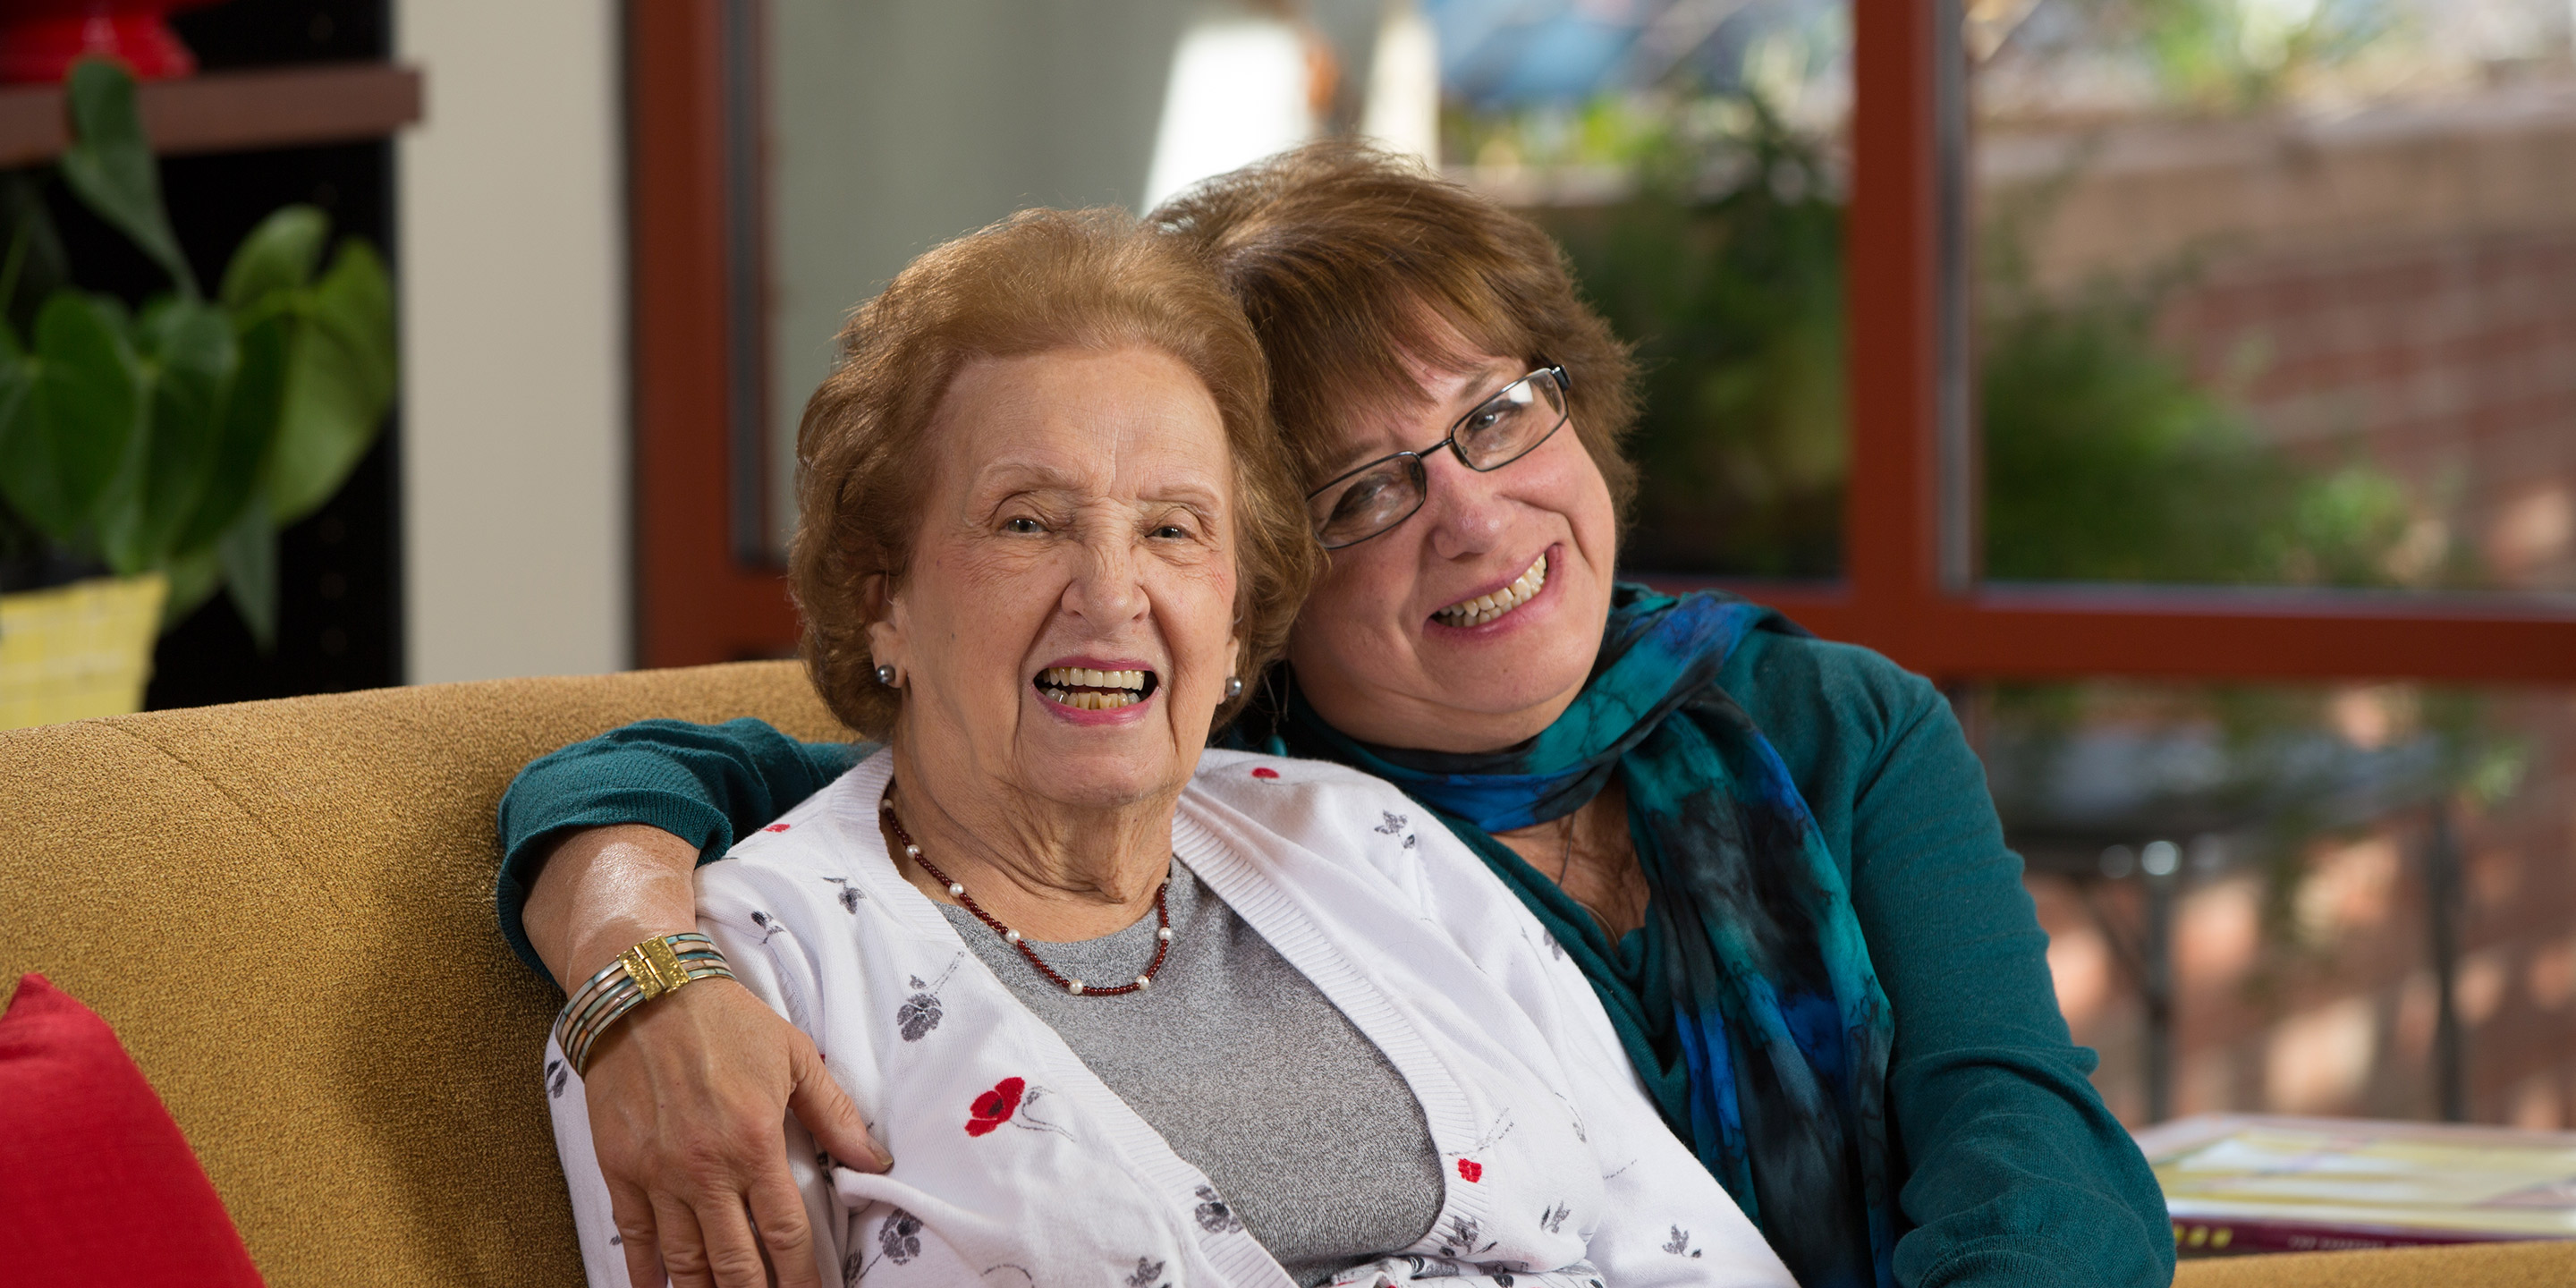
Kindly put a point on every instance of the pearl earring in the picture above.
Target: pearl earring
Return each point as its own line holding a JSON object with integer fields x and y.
{"x": 1233, "y": 686}
{"x": 885, "y": 676}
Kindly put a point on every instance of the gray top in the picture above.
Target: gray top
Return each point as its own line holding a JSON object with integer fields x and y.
{"x": 1249, "y": 1072}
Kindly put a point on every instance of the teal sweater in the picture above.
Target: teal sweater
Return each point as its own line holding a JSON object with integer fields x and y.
{"x": 2010, "y": 1171}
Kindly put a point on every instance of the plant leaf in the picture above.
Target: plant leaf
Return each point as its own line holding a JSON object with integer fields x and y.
{"x": 17, "y": 418}
{"x": 249, "y": 555}
{"x": 340, "y": 383}
{"x": 35, "y": 265}
{"x": 188, "y": 356}
{"x": 247, "y": 428}
{"x": 110, "y": 165}
{"x": 79, "y": 419}
{"x": 279, "y": 255}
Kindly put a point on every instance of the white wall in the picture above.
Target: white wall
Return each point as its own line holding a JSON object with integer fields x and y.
{"x": 512, "y": 283}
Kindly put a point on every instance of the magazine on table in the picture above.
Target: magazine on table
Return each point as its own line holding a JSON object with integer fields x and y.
{"x": 2238, "y": 1183}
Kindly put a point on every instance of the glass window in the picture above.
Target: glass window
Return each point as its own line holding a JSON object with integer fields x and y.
{"x": 2355, "y": 900}
{"x": 1690, "y": 158}
{"x": 2278, "y": 292}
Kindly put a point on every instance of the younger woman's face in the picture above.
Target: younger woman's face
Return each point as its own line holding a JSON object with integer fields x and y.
{"x": 1401, "y": 644}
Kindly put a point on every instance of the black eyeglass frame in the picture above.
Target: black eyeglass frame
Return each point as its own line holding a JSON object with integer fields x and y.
{"x": 1421, "y": 474}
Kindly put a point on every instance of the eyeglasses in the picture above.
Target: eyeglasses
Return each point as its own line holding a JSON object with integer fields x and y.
{"x": 1385, "y": 492}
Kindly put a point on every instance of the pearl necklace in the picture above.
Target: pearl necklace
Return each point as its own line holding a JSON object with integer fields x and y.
{"x": 1162, "y": 915}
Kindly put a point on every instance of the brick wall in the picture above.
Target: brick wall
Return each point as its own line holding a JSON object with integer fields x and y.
{"x": 2449, "y": 362}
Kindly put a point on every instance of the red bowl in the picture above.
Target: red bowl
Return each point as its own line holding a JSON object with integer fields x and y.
{"x": 41, "y": 39}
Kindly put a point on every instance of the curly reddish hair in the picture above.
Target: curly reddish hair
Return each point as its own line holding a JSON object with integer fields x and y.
{"x": 1039, "y": 281}
{"x": 1350, "y": 259}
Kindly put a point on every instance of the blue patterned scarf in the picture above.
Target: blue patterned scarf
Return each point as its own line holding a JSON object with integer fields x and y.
{"x": 1747, "y": 1002}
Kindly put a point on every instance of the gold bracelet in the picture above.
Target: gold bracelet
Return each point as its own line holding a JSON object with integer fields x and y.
{"x": 660, "y": 965}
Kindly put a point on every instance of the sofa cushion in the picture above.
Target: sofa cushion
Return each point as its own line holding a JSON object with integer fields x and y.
{"x": 101, "y": 1188}
{"x": 304, "y": 888}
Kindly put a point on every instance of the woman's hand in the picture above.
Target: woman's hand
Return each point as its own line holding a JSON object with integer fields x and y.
{"x": 688, "y": 1095}
{"x": 686, "y": 1101}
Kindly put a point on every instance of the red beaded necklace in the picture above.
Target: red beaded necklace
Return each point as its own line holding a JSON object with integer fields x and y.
{"x": 1162, "y": 917}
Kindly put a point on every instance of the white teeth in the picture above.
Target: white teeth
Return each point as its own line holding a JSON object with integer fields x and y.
{"x": 1485, "y": 608}
{"x": 1087, "y": 678}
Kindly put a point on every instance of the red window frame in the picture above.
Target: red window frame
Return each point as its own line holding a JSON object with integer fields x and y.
{"x": 699, "y": 601}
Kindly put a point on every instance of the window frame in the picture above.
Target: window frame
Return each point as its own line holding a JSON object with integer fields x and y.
{"x": 702, "y": 594}
{"x": 1909, "y": 588}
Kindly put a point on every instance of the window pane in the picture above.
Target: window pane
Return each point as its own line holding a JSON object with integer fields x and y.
{"x": 1690, "y": 159}
{"x": 2297, "y": 842}
{"x": 2278, "y": 292}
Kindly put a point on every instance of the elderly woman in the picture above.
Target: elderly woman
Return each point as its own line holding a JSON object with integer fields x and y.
{"x": 1086, "y": 975}
{"x": 1772, "y": 857}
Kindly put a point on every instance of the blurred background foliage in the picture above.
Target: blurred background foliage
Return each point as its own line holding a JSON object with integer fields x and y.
{"x": 2233, "y": 55}
{"x": 1725, "y": 270}
{"x": 2206, "y": 58}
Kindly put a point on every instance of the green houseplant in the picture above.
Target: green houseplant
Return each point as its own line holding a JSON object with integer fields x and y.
{"x": 177, "y": 439}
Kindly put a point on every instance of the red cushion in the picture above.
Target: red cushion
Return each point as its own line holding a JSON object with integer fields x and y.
{"x": 99, "y": 1188}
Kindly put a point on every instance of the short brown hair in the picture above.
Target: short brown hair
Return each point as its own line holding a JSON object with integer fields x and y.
{"x": 1348, "y": 259}
{"x": 1041, "y": 280}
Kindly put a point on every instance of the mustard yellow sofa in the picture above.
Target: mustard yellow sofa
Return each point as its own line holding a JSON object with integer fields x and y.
{"x": 285, "y": 910}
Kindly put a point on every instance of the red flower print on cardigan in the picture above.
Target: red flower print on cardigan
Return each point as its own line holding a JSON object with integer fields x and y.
{"x": 775, "y": 827}
{"x": 1264, "y": 771}
{"x": 995, "y": 1107}
{"x": 1471, "y": 1171}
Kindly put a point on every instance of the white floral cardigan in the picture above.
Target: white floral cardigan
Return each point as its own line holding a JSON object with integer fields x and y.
{"x": 1015, "y": 1167}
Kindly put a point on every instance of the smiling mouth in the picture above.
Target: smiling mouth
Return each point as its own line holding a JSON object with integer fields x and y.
{"x": 1486, "y": 608}
{"x": 1084, "y": 689}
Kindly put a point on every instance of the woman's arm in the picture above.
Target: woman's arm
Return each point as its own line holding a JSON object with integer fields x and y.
{"x": 701, "y": 785}
{"x": 629, "y": 1236}
{"x": 2013, "y": 1170}
{"x": 686, "y": 1099}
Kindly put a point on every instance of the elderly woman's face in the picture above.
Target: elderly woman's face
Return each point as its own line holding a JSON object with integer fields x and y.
{"x": 1394, "y": 646}
{"x": 1067, "y": 623}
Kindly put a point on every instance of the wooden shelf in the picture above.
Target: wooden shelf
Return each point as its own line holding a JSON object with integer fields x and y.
{"x": 231, "y": 111}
